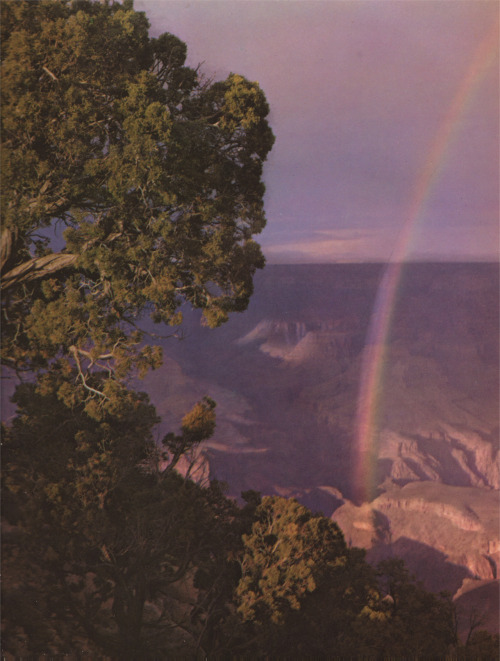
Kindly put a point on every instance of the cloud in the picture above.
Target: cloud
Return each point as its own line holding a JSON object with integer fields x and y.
{"x": 327, "y": 245}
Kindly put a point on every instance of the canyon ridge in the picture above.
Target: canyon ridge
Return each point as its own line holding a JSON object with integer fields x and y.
{"x": 286, "y": 373}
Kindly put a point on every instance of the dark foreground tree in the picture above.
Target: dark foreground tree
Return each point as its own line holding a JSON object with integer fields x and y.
{"x": 419, "y": 623}
{"x": 105, "y": 546}
{"x": 480, "y": 646}
{"x": 129, "y": 184}
{"x": 111, "y": 553}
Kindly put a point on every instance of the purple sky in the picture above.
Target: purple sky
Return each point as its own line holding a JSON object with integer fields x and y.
{"x": 358, "y": 92}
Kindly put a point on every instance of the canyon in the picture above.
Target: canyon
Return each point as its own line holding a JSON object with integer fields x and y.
{"x": 286, "y": 376}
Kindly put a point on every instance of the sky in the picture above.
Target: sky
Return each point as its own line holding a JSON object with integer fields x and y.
{"x": 386, "y": 117}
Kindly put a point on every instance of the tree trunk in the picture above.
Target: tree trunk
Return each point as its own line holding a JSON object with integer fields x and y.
{"x": 7, "y": 240}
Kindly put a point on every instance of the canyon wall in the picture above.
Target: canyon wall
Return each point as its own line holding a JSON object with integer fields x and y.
{"x": 286, "y": 374}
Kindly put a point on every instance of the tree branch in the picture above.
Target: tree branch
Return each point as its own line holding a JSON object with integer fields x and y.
{"x": 74, "y": 352}
{"x": 36, "y": 268}
{"x": 39, "y": 267}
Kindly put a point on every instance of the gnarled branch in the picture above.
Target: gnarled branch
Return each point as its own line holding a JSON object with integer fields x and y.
{"x": 36, "y": 268}
{"x": 39, "y": 267}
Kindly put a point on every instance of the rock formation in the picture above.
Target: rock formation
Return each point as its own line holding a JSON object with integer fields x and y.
{"x": 286, "y": 376}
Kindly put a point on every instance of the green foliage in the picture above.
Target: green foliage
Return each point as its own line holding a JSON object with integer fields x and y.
{"x": 105, "y": 544}
{"x": 149, "y": 176}
{"x": 197, "y": 425}
{"x": 285, "y": 554}
{"x": 302, "y": 592}
{"x": 114, "y": 554}
{"x": 130, "y": 187}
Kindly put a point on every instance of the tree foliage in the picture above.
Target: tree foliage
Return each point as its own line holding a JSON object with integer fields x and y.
{"x": 286, "y": 555}
{"x": 302, "y": 593}
{"x": 106, "y": 543}
{"x": 417, "y": 620}
{"x": 111, "y": 552}
{"x": 130, "y": 184}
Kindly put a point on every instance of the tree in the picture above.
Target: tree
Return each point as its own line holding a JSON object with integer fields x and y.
{"x": 419, "y": 623}
{"x": 130, "y": 185}
{"x": 302, "y": 591}
{"x": 304, "y": 594}
{"x": 481, "y": 645}
{"x": 284, "y": 553}
{"x": 105, "y": 546}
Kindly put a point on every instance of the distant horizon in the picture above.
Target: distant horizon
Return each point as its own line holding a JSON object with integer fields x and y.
{"x": 433, "y": 260}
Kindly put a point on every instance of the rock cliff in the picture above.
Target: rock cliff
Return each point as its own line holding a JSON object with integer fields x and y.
{"x": 456, "y": 526}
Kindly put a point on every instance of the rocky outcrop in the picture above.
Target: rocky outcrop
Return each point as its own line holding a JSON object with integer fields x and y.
{"x": 276, "y": 337}
{"x": 443, "y": 454}
{"x": 479, "y": 456}
{"x": 300, "y": 342}
{"x": 321, "y": 346}
{"x": 458, "y": 524}
{"x": 459, "y": 457}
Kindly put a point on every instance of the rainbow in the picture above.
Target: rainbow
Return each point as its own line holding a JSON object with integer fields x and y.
{"x": 375, "y": 353}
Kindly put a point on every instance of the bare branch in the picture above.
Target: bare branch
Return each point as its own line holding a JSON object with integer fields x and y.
{"x": 74, "y": 352}
{"x": 36, "y": 268}
{"x": 49, "y": 72}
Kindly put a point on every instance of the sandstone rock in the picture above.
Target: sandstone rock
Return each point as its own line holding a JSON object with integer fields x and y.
{"x": 457, "y": 526}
